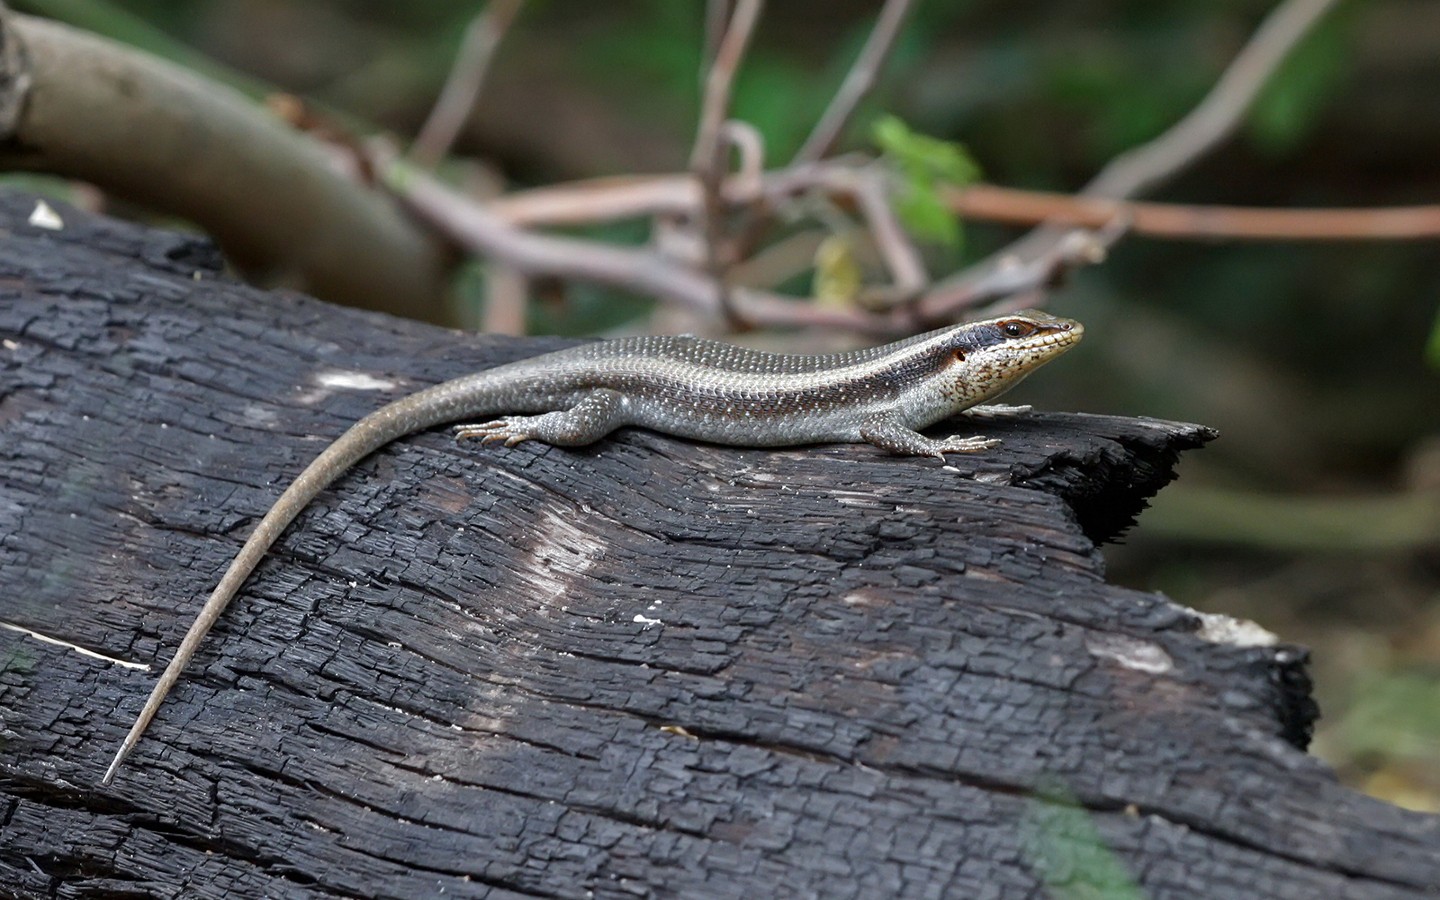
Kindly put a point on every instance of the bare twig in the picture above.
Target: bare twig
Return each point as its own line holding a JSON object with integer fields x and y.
{"x": 506, "y": 293}
{"x": 1209, "y": 123}
{"x": 866, "y": 187}
{"x": 859, "y": 81}
{"x": 709, "y": 161}
{"x": 690, "y": 267}
{"x": 608, "y": 199}
{"x": 678, "y": 196}
{"x": 1104, "y": 222}
{"x": 1196, "y": 222}
{"x": 715, "y": 101}
{"x": 643, "y": 271}
{"x": 717, "y": 17}
{"x": 749, "y": 148}
{"x": 1145, "y": 166}
{"x": 462, "y": 87}
{"x": 1026, "y": 277}
{"x": 1216, "y": 117}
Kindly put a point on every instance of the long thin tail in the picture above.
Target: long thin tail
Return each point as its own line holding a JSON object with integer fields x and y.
{"x": 421, "y": 410}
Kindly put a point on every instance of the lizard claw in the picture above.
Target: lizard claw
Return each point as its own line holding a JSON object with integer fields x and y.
{"x": 499, "y": 430}
{"x": 996, "y": 411}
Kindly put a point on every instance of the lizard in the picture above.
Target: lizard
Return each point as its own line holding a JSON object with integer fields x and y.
{"x": 683, "y": 386}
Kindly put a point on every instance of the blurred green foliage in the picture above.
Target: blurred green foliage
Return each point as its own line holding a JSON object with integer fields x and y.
{"x": 1297, "y": 96}
{"x": 1432, "y": 348}
{"x": 1394, "y": 714}
{"x": 924, "y": 164}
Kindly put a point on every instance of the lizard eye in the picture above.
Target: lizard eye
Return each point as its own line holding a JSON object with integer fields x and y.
{"x": 1017, "y": 328}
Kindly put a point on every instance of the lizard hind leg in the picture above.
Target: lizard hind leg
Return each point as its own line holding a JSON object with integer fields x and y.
{"x": 598, "y": 413}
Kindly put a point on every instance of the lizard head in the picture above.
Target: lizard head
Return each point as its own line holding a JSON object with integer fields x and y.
{"x": 989, "y": 357}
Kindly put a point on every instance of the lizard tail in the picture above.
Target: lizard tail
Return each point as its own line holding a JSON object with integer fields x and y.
{"x": 421, "y": 410}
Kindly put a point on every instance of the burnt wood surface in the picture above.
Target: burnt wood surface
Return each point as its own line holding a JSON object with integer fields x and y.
{"x": 644, "y": 668}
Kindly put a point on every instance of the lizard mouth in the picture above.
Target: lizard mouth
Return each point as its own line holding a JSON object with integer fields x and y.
{"x": 1053, "y": 338}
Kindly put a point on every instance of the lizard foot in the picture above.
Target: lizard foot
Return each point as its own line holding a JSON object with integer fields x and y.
{"x": 509, "y": 429}
{"x": 957, "y": 444}
{"x": 593, "y": 416}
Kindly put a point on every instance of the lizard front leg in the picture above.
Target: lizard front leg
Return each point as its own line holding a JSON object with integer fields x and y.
{"x": 888, "y": 434}
{"x": 597, "y": 414}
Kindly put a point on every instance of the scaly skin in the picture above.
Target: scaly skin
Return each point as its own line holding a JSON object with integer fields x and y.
{"x": 684, "y": 386}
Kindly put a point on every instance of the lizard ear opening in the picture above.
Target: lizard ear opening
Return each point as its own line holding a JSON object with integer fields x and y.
{"x": 959, "y": 354}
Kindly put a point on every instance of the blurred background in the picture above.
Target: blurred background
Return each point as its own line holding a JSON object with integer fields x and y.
{"x": 1317, "y": 511}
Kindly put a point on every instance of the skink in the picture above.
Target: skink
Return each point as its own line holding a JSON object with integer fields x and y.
{"x": 683, "y": 386}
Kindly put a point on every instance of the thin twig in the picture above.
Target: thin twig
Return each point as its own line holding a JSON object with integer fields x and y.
{"x": 597, "y": 200}
{"x": 749, "y": 147}
{"x": 606, "y": 199}
{"x": 601, "y": 200}
{"x": 866, "y": 187}
{"x": 1145, "y": 166}
{"x": 710, "y": 157}
{"x": 1196, "y": 222}
{"x": 506, "y": 292}
{"x": 679, "y": 197}
{"x": 859, "y": 81}
{"x": 462, "y": 88}
{"x": 1217, "y": 116}
{"x": 677, "y": 270}
{"x": 715, "y": 101}
{"x": 642, "y": 271}
{"x": 717, "y": 17}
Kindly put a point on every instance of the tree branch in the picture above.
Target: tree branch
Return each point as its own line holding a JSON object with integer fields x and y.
{"x": 79, "y": 106}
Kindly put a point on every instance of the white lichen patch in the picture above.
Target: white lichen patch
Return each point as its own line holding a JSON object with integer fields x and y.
{"x": 327, "y": 383}
{"x": 1221, "y": 629}
{"x": 1132, "y": 653}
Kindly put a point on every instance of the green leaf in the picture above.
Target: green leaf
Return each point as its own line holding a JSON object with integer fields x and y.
{"x": 925, "y": 215}
{"x": 838, "y": 277}
{"x": 924, "y": 165}
{"x": 921, "y": 156}
{"x": 1432, "y": 347}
